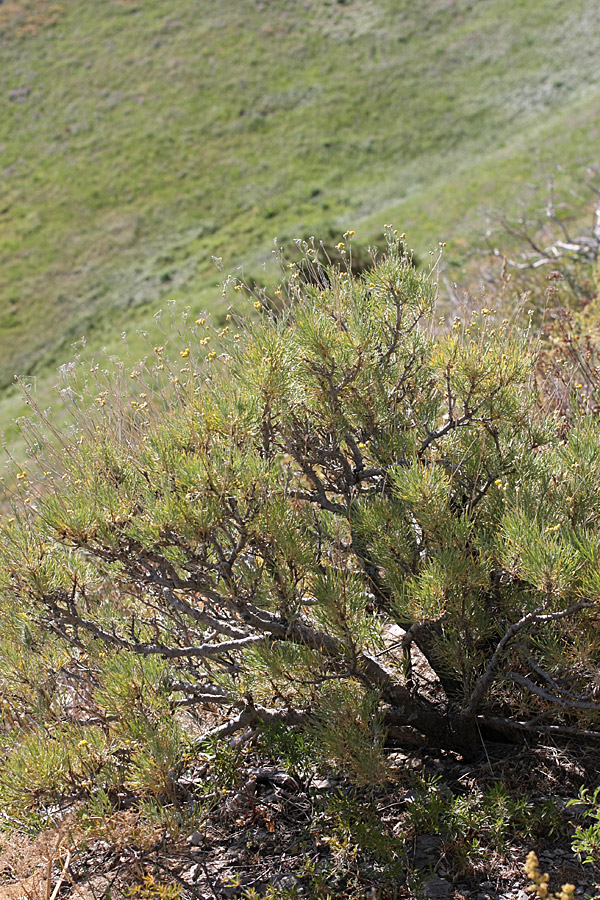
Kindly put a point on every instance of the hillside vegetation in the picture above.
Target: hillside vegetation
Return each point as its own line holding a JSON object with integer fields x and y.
{"x": 299, "y": 581}
{"x": 139, "y": 140}
{"x": 338, "y": 549}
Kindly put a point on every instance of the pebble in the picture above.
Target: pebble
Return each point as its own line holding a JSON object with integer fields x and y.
{"x": 427, "y": 850}
{"x": 193, "y": 873}
{"x": 285, "y": 882}
{"x": 436, "y": 889}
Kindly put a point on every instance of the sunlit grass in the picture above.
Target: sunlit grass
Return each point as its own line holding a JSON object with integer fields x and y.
{"x": 139, "y": 140}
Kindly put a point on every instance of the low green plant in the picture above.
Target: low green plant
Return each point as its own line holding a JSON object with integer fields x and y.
{"x": 586, "y": 839}
{"x": 474, "y": 823}
{"x": 292, "y": 748}
{"x": 48, "y": 768}
{"x": 356, "y": 830}
{"x": 136, "y": 747}
{"x": 150, "y": 888}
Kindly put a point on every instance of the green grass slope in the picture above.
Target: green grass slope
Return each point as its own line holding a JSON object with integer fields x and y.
{"x": 139, "y": 139}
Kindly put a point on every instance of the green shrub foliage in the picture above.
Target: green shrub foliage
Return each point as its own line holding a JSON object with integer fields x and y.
{"x": 345, "y": 518}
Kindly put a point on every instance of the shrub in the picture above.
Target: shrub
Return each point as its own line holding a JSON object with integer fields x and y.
{"x": 342, "y": 522}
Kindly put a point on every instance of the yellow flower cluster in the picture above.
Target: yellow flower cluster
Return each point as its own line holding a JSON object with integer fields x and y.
{"x": 539, "y": 887}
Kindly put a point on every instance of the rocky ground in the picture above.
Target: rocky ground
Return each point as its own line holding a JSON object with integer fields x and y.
{"x": 282, "y": 836}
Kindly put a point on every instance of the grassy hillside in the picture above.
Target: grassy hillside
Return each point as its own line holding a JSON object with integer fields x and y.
{"x": 140, "y": 139}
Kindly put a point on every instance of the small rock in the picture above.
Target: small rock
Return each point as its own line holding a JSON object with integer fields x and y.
{"x": 268, "y": 775}
{"x": 285, "y": 882}
{"x": 436, "y": 889}
{"x": 323, "y": 784}
{"x": 576, "y": 810}
{"x": 193, "y": 873}
{"x": 195, "y": 839}
{"x": 427, "y": 847}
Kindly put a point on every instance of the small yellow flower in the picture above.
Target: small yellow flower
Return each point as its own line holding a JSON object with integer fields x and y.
{"x": 200, "y": 321}
{"x": 340, "y": 246}
{"x": 212, "y": 355}
{"x": 278, "y": 293}
{"x": 257, "y": 304}
{"x": 228, "y": 317}
{"x": 21, "y": 475}
{"x": 185, "y": 353}
{"x": 237, "y": 287}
